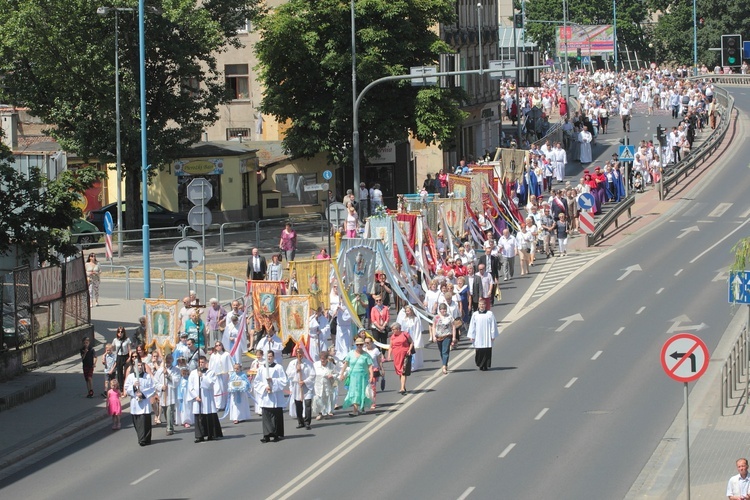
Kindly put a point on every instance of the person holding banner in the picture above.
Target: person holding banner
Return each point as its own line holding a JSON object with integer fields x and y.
{"x": 140, "y": 387}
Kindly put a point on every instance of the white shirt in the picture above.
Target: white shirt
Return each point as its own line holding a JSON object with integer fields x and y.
{"x": 738, "y": 486}
{"x": 482, "y": 329}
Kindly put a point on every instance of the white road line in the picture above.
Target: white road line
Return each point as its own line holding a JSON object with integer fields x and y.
{"x": 466, "y": 493}
{"x": 678, "y": 272}
{"x": 639, "y": 311}
{"x": 720, "y": 210}
{"x": 507, "y": 450}
{"x": 704, "y": 252}
{"x": 745, "y": 214}
{"x": 619, "y": 330}
{"x": 337, "y": 453}
{"x": 598, "y": 353}
{"x": 541, "y": 414}
{"x": 144, "y": 477}
{"x": 659, "y": 291}
{"x": 572, "y": 381}
{"x": 704, "y": 221}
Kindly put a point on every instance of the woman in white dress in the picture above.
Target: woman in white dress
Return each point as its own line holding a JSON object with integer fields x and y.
{"x": 239, "y": 404}
{"x": 324, "y": 399}
{"x": 412, "y": 324}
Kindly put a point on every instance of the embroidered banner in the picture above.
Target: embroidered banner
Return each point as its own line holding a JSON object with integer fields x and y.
{"x": 408, "y": 225}
{"x": 359, "y": 269}
{"x": 381, "y": 228}
{"x": 453, "y": 213}
{"x": 313, "y": 280}
{"x": 265, "y": 303}
{"x": 161, "y": 323}
{"x": 294, "y": 313}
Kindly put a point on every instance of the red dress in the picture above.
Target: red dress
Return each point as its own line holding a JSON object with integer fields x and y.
{"x": 399, "y": 348}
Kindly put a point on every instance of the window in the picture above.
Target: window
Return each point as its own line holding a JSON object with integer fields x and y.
{"x": 247, "y": 27}
{"x": 234, "y": 133}
{"x": 237, "y": 80}
{"x": 191, "y": 86}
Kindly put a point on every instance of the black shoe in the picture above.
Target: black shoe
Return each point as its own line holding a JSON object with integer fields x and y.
{"x": 264, "y": 440}
{"x": 300, "y": 426}
{"x": 199, "y": 440}
{"x": 308, "y": 427}
{"x": 276, "y": 439}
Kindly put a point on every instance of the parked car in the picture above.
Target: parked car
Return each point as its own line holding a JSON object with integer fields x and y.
{"x": 84, "y": 233}
{"x": 16, "y": 327}
{"x": 158, "y": 216}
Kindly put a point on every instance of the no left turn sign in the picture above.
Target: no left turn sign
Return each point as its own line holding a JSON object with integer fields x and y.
{"x": 684, "y": 357}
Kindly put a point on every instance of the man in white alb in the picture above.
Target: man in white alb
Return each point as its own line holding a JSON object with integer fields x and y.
{"x": 482, "y": 333}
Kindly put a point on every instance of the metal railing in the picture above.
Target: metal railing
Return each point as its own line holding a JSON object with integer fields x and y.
{"x": 734, "y": 376}
{"x": 612, "y": 216}
{"x": 217, "y": 285}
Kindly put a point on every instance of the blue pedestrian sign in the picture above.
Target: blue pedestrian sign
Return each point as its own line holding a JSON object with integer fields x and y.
{"x": 108, "y": 224}
{"x": 586, "y": 201}
{"x": 626, "y": 153}
{"x": 739, "y": 287}
{"x": 327, "y": 175}
{"x": 745, "y": 49}
{"x": 586, "y": 60}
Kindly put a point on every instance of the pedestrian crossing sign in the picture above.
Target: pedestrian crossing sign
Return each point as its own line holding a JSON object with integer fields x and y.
{"x": 627, "y": 152}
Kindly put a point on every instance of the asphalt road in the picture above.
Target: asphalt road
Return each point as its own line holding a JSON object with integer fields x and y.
{"x": 575, "y": 404}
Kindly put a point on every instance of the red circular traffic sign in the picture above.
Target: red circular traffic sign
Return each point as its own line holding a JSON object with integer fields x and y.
{"x": 684, "y": 357}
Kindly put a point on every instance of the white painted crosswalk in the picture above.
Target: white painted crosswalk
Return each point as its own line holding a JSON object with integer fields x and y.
{"x": 561, "y": 268}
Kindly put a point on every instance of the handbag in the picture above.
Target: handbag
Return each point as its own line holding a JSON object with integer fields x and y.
{"x": 382, "y": 382}
{"x": 458, "y": 323}
{"x": 407, "y": 365}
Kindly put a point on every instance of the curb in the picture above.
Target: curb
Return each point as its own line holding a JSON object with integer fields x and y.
{"x": 32, "y": 386}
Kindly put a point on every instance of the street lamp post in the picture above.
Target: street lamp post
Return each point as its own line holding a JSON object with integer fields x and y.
{"x": 104, "y": 11}
{"x": 144, "y": 151}
{"x": 355, "y": 132}
{"x": 695, "y": 40}
{"x": 614, "y": 29}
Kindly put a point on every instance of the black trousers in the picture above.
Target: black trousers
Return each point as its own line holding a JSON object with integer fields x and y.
{"x": 380, "y": 335}
{"x": 207, "y": 425}
{"x": 142, "y": 426}
{"x": 483, "y": 357}
{"x": 307, "y": 419}
{"x": 273, "y": 422}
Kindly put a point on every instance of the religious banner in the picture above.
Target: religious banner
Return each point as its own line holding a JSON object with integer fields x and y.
{"x": 381, "y": 228}
{"x": 431, "y": 214}
{"x": 294, "y": 314}
{"x": 408, "y": 225}
{"x": 265, "y": 303}
{"x": 453, "y": 214}
{"x": 313, "y": 280}
{"x": 476, "y": 191}
{"x": 488, "y": 172}
{"x": 460, "y": 186}
{"x": 161, "y": 323}
{"x": 359, "y": 268}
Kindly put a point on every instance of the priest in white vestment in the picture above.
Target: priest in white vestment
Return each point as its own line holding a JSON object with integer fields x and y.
{"x": 482, "y": 333}
{"x": 584, "y": 137}
{"x": 269, "y": 385}
{"x": 201, "y": 395}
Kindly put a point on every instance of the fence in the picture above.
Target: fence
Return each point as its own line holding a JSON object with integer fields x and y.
{"x": 734, "y": 376}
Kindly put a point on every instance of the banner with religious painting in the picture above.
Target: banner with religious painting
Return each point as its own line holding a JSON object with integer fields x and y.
{"x": 488, "y": 172}
{"x": 381, "y": 228}
{"x": 358, "y": 267}
{"x": 453, "y": 214}
{"x": 265, "y": 302}
{"x": 313, "y": 280}
{"x": 408, "y": 225}
{"x": 294, "y": 314}
{"x": 460, "y": 186}
{"x": 476, "y": 191}
{"x": 161, "y": 322}
{"x": 431, "y": 214}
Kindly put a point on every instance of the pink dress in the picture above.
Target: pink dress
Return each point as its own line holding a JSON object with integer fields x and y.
{"x": 113, "y": 403}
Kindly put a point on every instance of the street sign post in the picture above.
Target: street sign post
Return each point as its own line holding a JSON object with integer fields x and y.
{"x": 586, "y": 222}
{"x": 739, "y": 287}
{"x": 316, "y": 187}
{"x": 108, "y": 227}
{"x": 327, "y": 175}
{"x": 626, "y": 152}
{"x": 684, "y": 358}
{"x": 199, "y": 218}
{"x": 200, "y": 192}
{"x": 187, "y": 253}
{"x": 586, "y": 201}
{"x": 425, "y": 71}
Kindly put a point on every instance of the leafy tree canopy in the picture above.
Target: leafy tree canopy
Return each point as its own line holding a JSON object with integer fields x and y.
{"x": 305, "y": 66}
{"x": 37, "y": 212}
{"x": 57, "y": 59}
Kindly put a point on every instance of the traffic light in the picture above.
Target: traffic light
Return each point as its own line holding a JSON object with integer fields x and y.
{"x": 578, "y": 54}
{"x": 731, "y": 45}
{"x": 518, "y": 20}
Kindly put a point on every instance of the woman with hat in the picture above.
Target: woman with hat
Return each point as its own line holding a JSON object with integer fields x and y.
{"x": 360, "y": 373}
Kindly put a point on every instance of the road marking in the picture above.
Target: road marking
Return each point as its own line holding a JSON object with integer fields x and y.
{"x": 568, "y": 320}
{"x": 659, "y": 291}
{"x": 629, "y": 270}
{"x": 334, "y": 455}
{"x": 572, "y": 381}
{"x": 720, "y": 210}
{"x": 639, "y": 311}
{"x": 745, "y": 214}
{"x": 704, "y": 252}
{"x": 541, "y": 414}
{"x": 704, "y": 221}
{"x": 619, "y": 330}
{"x": 687, "y": 231}
{"x": 507, "y": 450}
{"x": 598, "y": 353}
{"x": 678, "y": 272}
{"x": 144, "y": 477}
{"x": 466, "y": 493}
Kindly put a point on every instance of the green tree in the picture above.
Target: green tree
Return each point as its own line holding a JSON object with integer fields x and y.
{"x": 305, "y": 66}
{"x": 38, "y": 212}
{"x": 57, "y": 59}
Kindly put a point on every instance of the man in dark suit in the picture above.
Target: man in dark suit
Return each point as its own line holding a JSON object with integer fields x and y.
{"x": 559, "y": 204}
{"x": 256, "y": 266}
{"x": 491, "y": 264}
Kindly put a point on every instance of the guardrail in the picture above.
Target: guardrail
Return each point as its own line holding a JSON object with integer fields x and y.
{"x": 734, "y": 376}
{"x": 217, "y": 285}
{"x": 612, "y": 216}
{"x": 705, "y": 150}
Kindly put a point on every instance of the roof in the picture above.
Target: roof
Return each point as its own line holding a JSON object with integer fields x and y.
{"x": 210, "y": 149}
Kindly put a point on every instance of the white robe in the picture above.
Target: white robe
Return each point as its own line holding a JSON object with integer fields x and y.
{"x": 231, "y": 335}
{"x": 184, "y": 408}
{"x": 274, "y": 344}
{"x": 147, "y": 388}
{"x": 482, "y": 329}
{"x": 221, "y": 365}
{"x": 201, "y": 385}
{"x": 306, "y": 390}
{"x": 279, "y": 381}
{"x": 169, "y": 396}
{"x": 239, "y": 404}
{"x": 584, "y": 138}
{"x": 560, "y": 159}
{"x": 325, "y": 380}
{"x": 317, "y": 344}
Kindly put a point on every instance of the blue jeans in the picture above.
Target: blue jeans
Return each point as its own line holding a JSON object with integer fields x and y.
{"x": 444, "y": 346}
